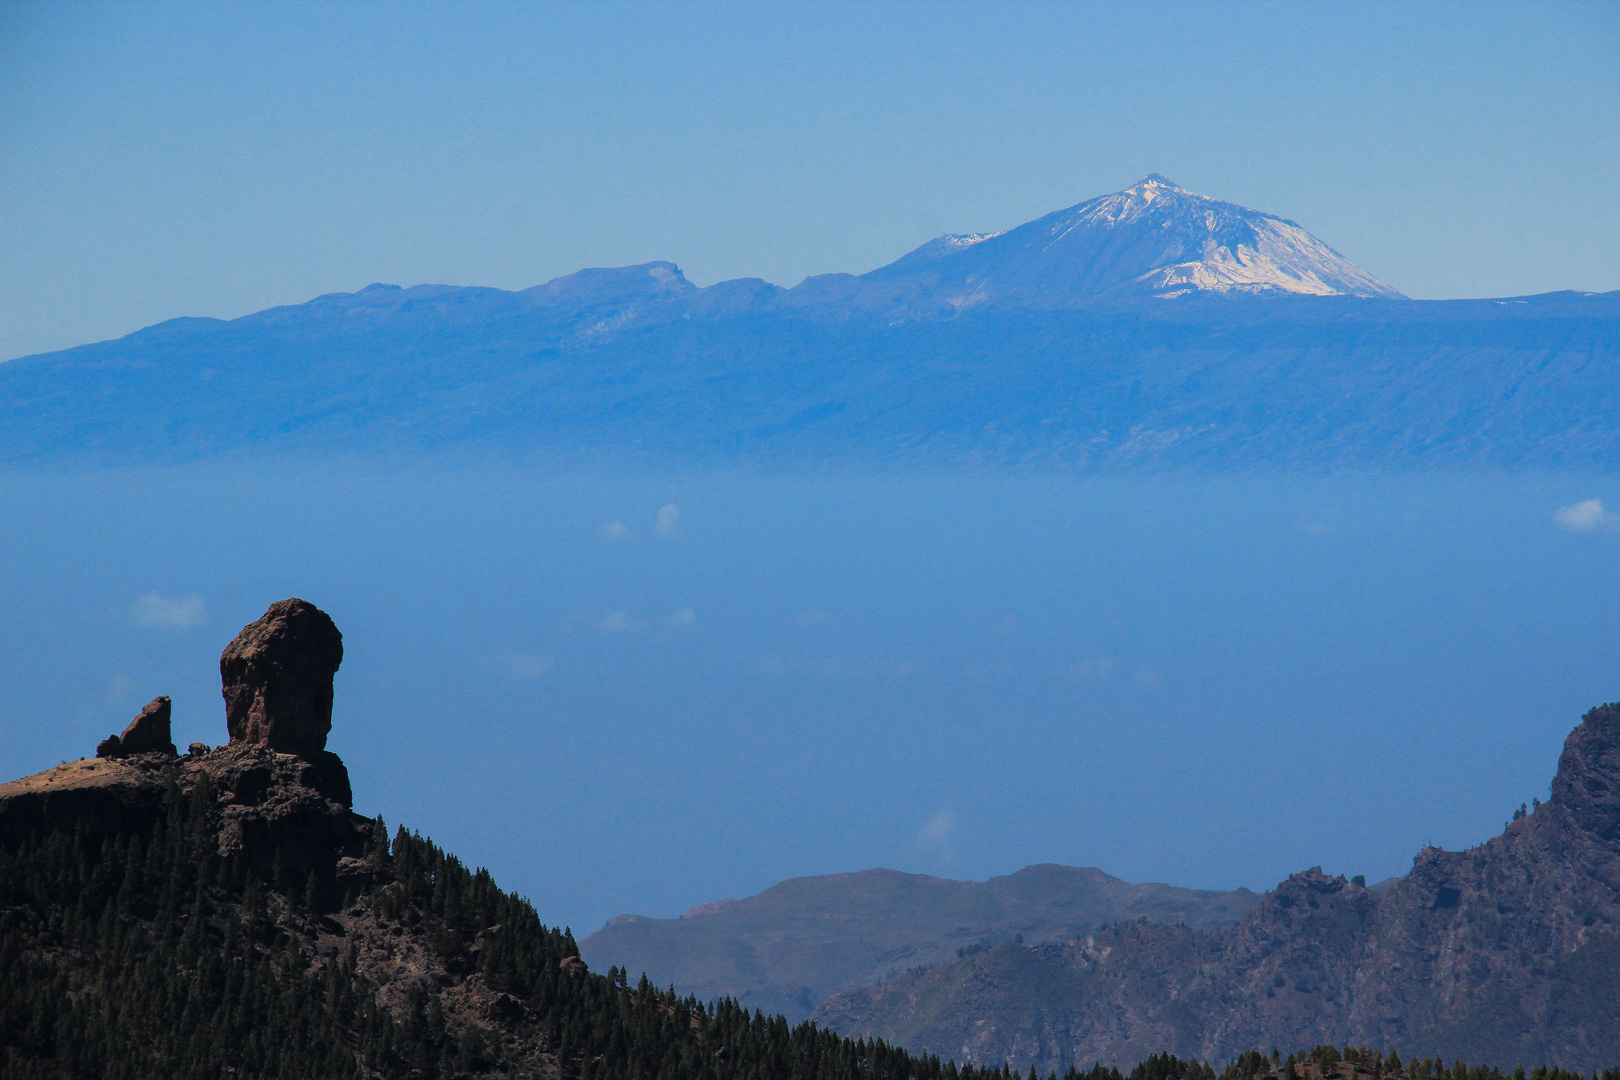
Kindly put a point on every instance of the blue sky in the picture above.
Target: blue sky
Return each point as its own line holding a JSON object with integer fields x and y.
{"x": 956, "y": 675}
{"x": 165, "y": 160}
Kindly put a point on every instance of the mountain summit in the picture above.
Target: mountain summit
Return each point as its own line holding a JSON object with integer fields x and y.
{"x": 1151, "y": 239}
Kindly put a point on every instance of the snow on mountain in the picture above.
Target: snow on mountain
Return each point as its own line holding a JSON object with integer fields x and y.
{"x": 1151, "y": 239}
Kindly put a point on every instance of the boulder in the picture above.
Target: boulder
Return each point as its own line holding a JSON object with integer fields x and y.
{"x": 149, "y": 730}
{"x": 277, "y": 679}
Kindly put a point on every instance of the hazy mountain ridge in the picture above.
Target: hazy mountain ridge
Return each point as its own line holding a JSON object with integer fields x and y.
{"x": 1328, "y": 382}
{"x": 1066, "y": 350}
{"x": 1510, "y": 950}
{"x": 790, "y": 947}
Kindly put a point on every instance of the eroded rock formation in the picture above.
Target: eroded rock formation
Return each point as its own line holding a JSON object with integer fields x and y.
{"x": 275, "y": 791}
{"x": 277, "y": 678}
{"x": 148, "y": 732}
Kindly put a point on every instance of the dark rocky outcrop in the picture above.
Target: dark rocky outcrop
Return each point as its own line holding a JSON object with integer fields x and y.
{"x": 277, "y": 678}
{"x": 226, "y": 914}
{"x": 1507, "y": 953}
{"x": 275, "y": 793}
{"x": 147, "y": 733}
{"x": 265, "y": 805}
{"x": 1588, "y": 780}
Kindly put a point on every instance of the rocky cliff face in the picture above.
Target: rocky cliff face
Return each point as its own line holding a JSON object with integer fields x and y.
{"x": 1508, "y": 952}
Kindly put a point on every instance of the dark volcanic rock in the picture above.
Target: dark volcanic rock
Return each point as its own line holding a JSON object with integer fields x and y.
{"x": 277, "y": 678}
{"x": 1588, "y": 780}
{"x": 150, "y": 730}
{"x": 276, "y": 796}
{"x": 1506, "y": 953}
{"x": 264, "y": 804}
{"x": 147, "y": 733}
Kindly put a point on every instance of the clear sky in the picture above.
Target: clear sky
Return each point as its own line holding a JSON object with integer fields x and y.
{"x": 215, "y": 159}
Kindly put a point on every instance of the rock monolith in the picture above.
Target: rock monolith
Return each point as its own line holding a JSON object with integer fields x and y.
{"x": 277, "y": 678}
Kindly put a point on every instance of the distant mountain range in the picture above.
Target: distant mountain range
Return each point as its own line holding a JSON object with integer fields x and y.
{"x": 792, "y": 946}
{"x": 1509, "y": 951}
{"x": 1151, "y": 327}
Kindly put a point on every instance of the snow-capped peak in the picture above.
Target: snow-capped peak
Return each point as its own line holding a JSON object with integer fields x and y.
{"x": 1153, "y": 238}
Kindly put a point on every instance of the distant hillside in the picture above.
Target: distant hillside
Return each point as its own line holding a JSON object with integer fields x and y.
{"x": 1509, "y": 951}
{"x": 1149, "y": 328}
{"x": 792, "y": 946}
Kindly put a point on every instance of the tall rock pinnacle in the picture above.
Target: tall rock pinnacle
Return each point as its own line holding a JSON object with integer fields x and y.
{"x": 277, "y": 678}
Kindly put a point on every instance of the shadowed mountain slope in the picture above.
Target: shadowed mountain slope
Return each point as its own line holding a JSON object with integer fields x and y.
{"x": 790, "y": 947}
{"x": 1509, "y": 951}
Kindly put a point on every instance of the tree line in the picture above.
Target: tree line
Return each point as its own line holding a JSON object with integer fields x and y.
{"x": 144, "y": 954}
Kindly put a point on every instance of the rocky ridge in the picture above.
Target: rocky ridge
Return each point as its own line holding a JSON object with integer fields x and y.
{"x": 269, "y": 800}
{"x": 274, "y": 807}
{"x": 1509, "y": 952}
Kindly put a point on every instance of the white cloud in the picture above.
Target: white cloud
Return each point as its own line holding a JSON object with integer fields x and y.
{"x": 838, "y": 668}
{"x": 934, "y": 838}
{"x": 526, "y": 666}
{"x": 168, "y": 613}
{"x": 681, "y": 617}
{"x": 810, "y": 618}
{"x": 615, "y": 530}
{"x": 1093, "y": 669}
{"x": 1582, "y": 517}
{"x": 938, "y": 827}
{"x": 669, "y": 519}
{"x": 619, "y": 622}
